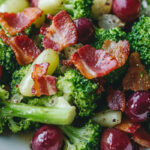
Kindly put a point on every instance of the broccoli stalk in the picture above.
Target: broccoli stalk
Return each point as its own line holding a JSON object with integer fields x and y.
{"x": 86, "y": 137}
{"x": 60, "y": 112}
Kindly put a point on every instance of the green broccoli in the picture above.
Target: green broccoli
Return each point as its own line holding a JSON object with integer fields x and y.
{"x": 81, "y": 90}
{"x": 30, "y": 31}
{"x": 7, "y": 61}
{"x": 139, "y": 39}
{"x": 78, "y": 8}
{"x": 115, "y": 77}
{"x": 17, "y": 76}
{"x": 114, "y": 34}
{"x": 84, "y": 138}
{"x": 19, "y": 116}
{"x": 4, "y": 95}
{"x": 75, "y": 89}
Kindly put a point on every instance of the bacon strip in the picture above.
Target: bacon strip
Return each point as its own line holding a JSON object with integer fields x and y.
{"x": 93, "y": 63}
{"x": 24, "y": 48}
{"x": 116, "y": 100}
{"x": 137, "y": 78}
{"x": 61, "y": 34}
{"x": 142, "y": 138}
{"x": 128, "y": 126}
{"x": 15, "y": 23}
{"x": 43, "y": 84}
{"x": 118, "y": 50}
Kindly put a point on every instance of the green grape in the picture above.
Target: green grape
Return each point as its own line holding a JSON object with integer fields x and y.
{"x": 50, "y": 6}
{"x": 50, "y": 56}
{"x": 13, "y": 6}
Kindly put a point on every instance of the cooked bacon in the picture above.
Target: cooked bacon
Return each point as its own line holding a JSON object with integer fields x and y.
{"x": 67, "y": 63}
{"x": 24, "y": 48}
{"x": 119, "y": 50}
{"x": 93, "y": 63}
{"x": 15, "y": 23}
{"x": 33, "y": 3}
{"x": 116, "y": 100}
{"x": 137, "y": 78}
{"x": 128, "y": 126}
{"x": 43, "y": 84}
{"x": 142, "y": 138}
{"x": 61, "y": 34}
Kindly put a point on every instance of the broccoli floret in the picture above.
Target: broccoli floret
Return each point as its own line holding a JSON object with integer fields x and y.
{"x": 58, "y": 112}
{"x": 84, "y": 138}
{"x": 78, "y": 8}
{"x": 139, "y": 39}
{"x": 114, "y": 34}
{"x": 115, "y": 77}
{"x": 7, "y": 61}
{"x": 30, "y": 31}
{"x": 4, "y": 95}
{"x": 17, "y": 76}
{"x": 82, "y": 91}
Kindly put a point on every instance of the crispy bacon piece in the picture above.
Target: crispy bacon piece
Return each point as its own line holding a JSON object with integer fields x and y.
{"x": 24, "y": 48}
{"x": 62, "y": 33}
{"x": 118, "y": 50}
{"x": 43, "y": 84}
{"x": 67, "y": 63}
{"x": 142, "y": 138}
{"x": 137, "y": 78}
{"x": 116, "y": 100}
{"x": 33, "y": 3}
{"x": 15, "y": 23}
{"x": 93, "y": 63}
{"x": 128, "y": 126}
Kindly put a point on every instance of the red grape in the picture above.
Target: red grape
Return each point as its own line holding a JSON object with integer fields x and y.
{"x": 113, "y": 139}
{"x": 85, "y": 29}
{"x": 48, "y": 137}
{"x": 127, "y": 10}
{"x": 138, "y": 106}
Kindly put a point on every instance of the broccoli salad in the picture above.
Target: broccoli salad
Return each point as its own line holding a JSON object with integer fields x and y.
{"x": 76, "y": 72}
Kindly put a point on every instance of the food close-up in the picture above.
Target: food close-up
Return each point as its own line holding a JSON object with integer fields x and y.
{"x": 75, "y": 74}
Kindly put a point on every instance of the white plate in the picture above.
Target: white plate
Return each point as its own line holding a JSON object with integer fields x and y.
{"x": 16, "y": 142}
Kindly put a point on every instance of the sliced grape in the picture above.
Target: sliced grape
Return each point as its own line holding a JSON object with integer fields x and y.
{"x": 108, "y": 118}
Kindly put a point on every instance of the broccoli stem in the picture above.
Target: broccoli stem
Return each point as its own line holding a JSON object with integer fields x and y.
{"x": 59, "y": 114}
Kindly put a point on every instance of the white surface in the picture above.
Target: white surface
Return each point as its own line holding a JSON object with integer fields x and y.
{"x": 15, "y": 142}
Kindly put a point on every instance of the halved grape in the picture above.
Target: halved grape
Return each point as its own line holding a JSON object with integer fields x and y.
{"x": 50, "y": 56}
{"x": 108, "y": 118}
{"x": 14, "y": 6}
